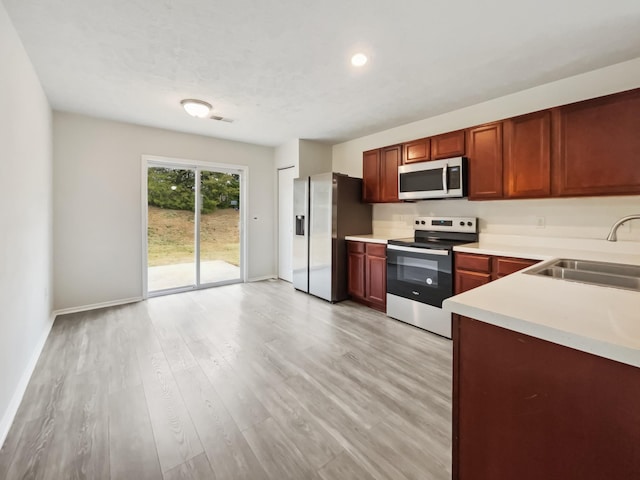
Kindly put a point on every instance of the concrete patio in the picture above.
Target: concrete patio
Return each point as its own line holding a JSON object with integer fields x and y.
{"x": 184, "y": 274}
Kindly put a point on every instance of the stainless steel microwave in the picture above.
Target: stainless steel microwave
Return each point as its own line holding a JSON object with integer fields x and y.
{"x": 436, "y": 179}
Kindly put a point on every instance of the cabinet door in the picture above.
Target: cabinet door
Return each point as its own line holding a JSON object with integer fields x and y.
{"x": 468, "y": 280}
{"x": 597, "y": 146}
{"x": 376, "y": 280}
{"x": 448, "y": 145}
{"x": 503, "y": 266}
{"x": 371, "y": 176}
{"x": 528, "y": 409}
{"x": 390, "y": 158}
{"x": 417, "y": 151}
{"x": 485, "y": 161}
{"x": 527, "y": 161}
{"x": 356, "y": 271}
{"x": 473, "y": 262}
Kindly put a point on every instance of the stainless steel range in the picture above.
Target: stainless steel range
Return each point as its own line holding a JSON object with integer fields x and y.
{"x": 420, "y": 271}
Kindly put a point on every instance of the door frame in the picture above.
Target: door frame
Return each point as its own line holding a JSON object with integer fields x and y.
{"x": 280, "y": 170}
{"x": 160, "y": 161}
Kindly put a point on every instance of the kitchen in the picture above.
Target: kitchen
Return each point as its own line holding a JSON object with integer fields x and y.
{"x": 94, "y": 162}
{"x": 539, "y": 308}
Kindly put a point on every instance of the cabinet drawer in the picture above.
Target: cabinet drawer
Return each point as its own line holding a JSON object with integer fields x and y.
{"x": 505, "y": 266}
{"x": 377, "y": 249}
{"x": 355, "y": 247}
{"x": 473, "y": 262}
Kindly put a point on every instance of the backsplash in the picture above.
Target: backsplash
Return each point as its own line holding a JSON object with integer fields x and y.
{"x": 585, "y": 217}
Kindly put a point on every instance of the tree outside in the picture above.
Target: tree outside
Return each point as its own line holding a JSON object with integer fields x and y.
{"x": 171, "y": 199}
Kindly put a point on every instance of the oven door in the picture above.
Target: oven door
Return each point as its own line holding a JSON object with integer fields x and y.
{"x": 420, "y": 274}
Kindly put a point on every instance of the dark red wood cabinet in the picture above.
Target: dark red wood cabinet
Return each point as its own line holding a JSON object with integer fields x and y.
{"x": 528, "y": 409}
{"x": 367, "y": 267}
{"x": 448, "y": 145}
{"x": 597, "y": 146}
{"x": 380, "y": 174}
{"x": 473, "y": 270}
{"x": 371, "y": 176}
{"x": 585, "y": 148}
{"x": 416, "y": 151}
{"x": 485, "y": 161}
{"x": 356, "y": 269}
{"x": 390, "y": 159}
{"x": 527, "y": 156}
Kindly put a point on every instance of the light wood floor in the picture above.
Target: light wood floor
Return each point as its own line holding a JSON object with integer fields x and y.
{"x": 250, "y": 381}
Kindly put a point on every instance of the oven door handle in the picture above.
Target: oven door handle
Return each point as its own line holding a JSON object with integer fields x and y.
{"x": 424, "y": 251}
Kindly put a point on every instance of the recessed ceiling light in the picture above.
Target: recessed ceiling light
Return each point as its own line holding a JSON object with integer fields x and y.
{"x": 358, "y": 60}
{"x": 196, "y": 108}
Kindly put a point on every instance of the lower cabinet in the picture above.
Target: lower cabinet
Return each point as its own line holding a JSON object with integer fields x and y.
{"x": 473, "y": 270}
{"x": 528, "y": 409}
{"x": 367, "y": 267}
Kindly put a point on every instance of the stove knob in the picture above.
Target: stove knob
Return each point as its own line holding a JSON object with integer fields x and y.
{"x": 462, "y": 224}
{"x": 469, "y": 224}
{"x": 417, "y": 222}
{"x": 423, "y": 222}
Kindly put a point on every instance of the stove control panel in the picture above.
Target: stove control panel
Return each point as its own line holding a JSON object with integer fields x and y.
{"x": 446, "y": 224}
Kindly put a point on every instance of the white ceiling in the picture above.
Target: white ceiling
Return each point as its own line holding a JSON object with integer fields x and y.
{"x": 281, "y": 68}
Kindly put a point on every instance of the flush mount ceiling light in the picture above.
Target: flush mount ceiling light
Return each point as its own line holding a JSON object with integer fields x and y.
{"x": 196, "y": 108}
{"x": 358, "y": 60}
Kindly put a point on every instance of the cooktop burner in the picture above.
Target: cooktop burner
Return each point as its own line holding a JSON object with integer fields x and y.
{"x": 440, "y": 232}
{"x": 431, "y": 243}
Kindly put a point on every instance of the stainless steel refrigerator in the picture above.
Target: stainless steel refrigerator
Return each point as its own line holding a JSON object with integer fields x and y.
{"x": 327, "y": 207}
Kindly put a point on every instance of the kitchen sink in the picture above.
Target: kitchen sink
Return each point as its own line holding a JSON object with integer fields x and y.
{"x": 599, "y": 267}
{"x": 596, "y": 273}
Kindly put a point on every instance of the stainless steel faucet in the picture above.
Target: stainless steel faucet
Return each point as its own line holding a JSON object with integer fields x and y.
{"x": 612, "y": 237}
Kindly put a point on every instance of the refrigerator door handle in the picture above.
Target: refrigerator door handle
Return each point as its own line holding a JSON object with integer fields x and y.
{"x": 300, "y": 225}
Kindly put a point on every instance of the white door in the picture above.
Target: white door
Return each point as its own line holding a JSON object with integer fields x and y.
{"x": 285, "y": 222}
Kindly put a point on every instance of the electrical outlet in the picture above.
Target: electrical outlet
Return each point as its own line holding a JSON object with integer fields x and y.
{"x": 540, "y": 223}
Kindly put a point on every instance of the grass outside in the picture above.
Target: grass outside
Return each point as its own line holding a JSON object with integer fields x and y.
{"x": 171, "y": 236}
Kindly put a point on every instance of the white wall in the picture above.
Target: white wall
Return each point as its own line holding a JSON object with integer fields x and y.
{"x": 588, "y": 217}
{"x": 575, "y": 217}
{"x": 288, "y": 155}
{"x": 314, "y": 157}
{"x": 98, "y": 211}
{"x": 25, "y": 220}
{"x": 306, "y": 156}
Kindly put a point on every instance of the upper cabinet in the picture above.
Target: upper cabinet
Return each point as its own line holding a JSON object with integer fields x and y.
{"x": 371, "y": 176}
{"x": 485, "y": 161}
{"x": 416, "y": 151}
{"x": 597, "y": 146}
{"x": 448, "y": 145}
{"x": 390, "y": 159}
{"x": 585, "y": 148}
{"x": 380, "y": 174}
{"x": 527, "y": 156}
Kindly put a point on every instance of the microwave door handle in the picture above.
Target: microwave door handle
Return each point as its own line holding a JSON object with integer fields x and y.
{"x": 445, "y": 180}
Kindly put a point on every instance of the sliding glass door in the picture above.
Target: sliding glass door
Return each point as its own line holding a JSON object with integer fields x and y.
{"x": 193, "y": 227}
{"x": 219, "y": 227}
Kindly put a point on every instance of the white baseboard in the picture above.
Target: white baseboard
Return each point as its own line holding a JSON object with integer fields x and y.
{"x": 85, "y": 308}
{"x": 265, "y": 277}
{"x": 21, "y": 388}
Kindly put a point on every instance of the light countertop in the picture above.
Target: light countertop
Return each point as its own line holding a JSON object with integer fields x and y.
{"x": 604, "y": 321}
{"x": 371, "y": 238}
